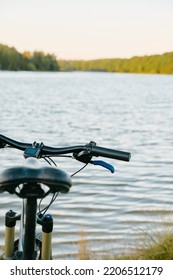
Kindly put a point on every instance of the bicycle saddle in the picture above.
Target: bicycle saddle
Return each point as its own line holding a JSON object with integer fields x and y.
{"x": 33, "y": 172}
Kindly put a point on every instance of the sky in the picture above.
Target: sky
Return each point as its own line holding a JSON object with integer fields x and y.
{"x": 88, "y": 29}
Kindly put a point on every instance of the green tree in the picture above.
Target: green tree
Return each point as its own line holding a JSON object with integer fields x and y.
{"x": 44, "y": 62}
{"x": 10, "y": 58}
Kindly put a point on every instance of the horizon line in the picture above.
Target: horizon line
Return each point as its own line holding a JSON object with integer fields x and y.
{"x": 86, "y": 59}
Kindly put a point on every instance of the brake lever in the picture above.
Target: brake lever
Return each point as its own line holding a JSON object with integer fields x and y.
{"x": 103, "y": 164}
{"x": 85, "y": 157}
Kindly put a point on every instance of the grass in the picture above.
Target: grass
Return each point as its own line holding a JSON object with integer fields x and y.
{"x": 157, "y": 247}
{"x": 84, "y": 252}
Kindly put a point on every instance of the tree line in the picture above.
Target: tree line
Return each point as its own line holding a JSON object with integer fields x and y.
{"x": 154, "y": 64}
{"x": 11, "y": 59}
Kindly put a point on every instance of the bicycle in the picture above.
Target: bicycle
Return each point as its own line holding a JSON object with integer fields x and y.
{"x": 34, "y": 181}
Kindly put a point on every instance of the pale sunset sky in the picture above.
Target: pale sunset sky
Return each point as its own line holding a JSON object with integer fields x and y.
{"x": 88, "y": 29}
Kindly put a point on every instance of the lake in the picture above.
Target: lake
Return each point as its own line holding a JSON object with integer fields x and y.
{"x": 126, "y": 112}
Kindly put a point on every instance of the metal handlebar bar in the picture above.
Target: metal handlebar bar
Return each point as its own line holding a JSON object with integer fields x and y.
{"x": 92, "y": 149}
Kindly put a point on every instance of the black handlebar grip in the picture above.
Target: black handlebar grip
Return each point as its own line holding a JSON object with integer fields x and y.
{"x": 109, "y": 153}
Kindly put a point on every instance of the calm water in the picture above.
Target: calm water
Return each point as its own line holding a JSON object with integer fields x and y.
{"x": 121, "y": 111}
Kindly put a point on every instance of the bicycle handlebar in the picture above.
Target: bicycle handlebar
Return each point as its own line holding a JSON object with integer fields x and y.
{"x": 109, "y": 153}
{"x": 91, "y": 148}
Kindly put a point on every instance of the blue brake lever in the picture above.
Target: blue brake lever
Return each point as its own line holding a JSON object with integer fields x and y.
{"x": 103, "y": 164}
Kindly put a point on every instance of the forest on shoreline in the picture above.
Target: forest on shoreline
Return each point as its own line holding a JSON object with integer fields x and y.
{"x": 154, "y": 64}
{"x": 11, "y": 59}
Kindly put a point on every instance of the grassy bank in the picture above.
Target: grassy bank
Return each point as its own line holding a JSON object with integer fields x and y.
{"x": 158, "y": 247}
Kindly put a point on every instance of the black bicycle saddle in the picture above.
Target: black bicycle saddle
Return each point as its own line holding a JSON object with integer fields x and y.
{"x": 34, "y": 173}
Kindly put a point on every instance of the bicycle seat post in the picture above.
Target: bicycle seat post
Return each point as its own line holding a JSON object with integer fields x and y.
{"x": 31, "y": 192}
{"x": 29, "y": 239}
